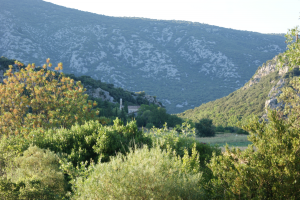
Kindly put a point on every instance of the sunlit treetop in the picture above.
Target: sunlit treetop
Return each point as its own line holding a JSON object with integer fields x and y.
{"x": 32, "y": 98}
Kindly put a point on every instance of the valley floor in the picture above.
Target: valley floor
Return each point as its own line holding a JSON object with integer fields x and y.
{"x": 232, "y": 139}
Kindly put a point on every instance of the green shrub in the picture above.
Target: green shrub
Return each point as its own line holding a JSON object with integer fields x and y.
{"x": 84, "y": 142}
{"x": 205, "y": 128}
{"x": 143, "y": 174}
{"x": 241, "y": 131}
{"x": 184, "y": 140}
{"x": 118, "y": 138}
{"x": 269, "y": 172}
{"x": 76, "y": 143}
{"x": 220, "y": 128}
{"x": 149, "y": 125}
{"x": 34, "y": 175}
{"x": 229, "y": 129}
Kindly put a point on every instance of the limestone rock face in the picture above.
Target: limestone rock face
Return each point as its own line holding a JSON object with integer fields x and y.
{"x": 99, "y": 93}
{"x": 273, "y": 102}
{"x": 152, "y": 99}
{"x": 266, "y": 70}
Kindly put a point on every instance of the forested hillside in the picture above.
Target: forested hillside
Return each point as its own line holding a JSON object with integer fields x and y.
{"x": 252, "y": 99}
{"x": 184, "y": 64}
{"x": 108, "y": 100}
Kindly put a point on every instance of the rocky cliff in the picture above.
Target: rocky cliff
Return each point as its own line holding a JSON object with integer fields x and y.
{"x": 272, "y": 102}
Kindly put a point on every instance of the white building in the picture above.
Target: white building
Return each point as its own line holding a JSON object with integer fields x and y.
{"x": 133, "y": 109}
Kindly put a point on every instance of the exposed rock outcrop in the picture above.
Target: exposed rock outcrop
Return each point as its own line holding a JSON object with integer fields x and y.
{"x": 99, "y": 93}
{"x": 265, "y": 70}
{"x": 152, "y": 100}
{"x": 273, "y": 103}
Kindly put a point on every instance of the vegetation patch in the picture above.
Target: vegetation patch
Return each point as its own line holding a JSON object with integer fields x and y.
{"x": 237, "y": 106}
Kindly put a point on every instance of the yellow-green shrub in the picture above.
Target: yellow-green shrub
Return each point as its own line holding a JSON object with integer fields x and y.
{"x": 143, "y": 174}
{"x": 43, "y": 98}
{"x": 34, "y": 175}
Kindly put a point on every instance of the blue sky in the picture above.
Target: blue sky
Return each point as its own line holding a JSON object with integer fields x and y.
{"x": 264, "y": 16}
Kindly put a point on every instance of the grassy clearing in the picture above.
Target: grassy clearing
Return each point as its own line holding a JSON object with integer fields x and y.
{"x": 232, "y": 139}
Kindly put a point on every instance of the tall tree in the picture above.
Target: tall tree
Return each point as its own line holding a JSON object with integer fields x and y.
{"x": 32, "y": 98}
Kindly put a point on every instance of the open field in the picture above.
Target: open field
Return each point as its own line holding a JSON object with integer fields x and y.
{"x": 232, "y": 139}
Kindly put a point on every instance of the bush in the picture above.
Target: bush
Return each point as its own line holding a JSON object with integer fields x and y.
{"x": 118, "y": 138}
{"x": 84, "y": 142}
{"x": 143, "y": 174}
{"x": 270, "y": 172}
{"x": 205, "y": 128}
{"x": 184, "y": 140}
{"x": 220, "y": 129}
{"x": 229, "y": 129}
{"x": 75, "y": 143}
{"x": 241, "y": 131}
{"x": 149, "y": 125}
{"x": 34, "y": 175}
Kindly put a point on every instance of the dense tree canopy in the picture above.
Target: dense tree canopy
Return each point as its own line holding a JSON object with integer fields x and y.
{"x": 205, "y": 128}
{"x": 155, "y": 116}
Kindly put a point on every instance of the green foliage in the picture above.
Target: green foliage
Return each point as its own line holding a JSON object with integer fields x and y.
{"x": 241, "y": 131}
{"x": 291, "y": 56}
{"x": 118, "y": 138}
{"x": 78, "y": 147}
{"x": 33, "y": 175}
{"x": 75, "y": 143}
{"x": 41, "y": 98}
{"x": 184, "y": 141}
{"x": 143, "y": 174}
{"x": 126, "y": 107}
{"x": 237, "y": 106}
{"x": 84, "y": 142}
{"x": 230, "y": 129}
{"x": 149, "y": 125}
{"x": 205, "y": 128}
{"x": 5, "y": 62}
{"x": 156, "y": 115}
{"x": 141, "y": 93}
{"x": 271, "y": 170}
{"x": 220, "y": 128}
{"x": 116, "y": 93}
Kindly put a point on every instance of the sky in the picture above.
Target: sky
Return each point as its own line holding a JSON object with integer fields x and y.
{"x": 263, "y": 16}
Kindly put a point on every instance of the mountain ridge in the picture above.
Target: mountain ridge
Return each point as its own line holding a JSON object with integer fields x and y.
{"x": 184, "y": 64}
